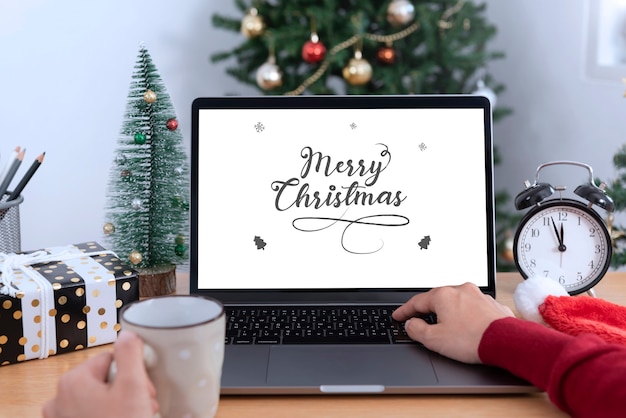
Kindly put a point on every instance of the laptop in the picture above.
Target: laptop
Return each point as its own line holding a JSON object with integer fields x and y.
{"x": 332, "y": 207}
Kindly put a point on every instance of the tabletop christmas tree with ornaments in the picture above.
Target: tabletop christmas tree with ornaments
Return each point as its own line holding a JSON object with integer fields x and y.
{"x": 147, "y": 210}
{"x": 293, "y": 47}
{"x": 617, "y": 190}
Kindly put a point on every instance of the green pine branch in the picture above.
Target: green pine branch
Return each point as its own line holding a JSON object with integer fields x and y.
{"x": 447, "y": 61}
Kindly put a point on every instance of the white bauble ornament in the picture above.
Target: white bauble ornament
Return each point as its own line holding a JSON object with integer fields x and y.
{"x": 400, "y": 12}
{"x": 483, "y": 90}
{"x": 269, "y": 76}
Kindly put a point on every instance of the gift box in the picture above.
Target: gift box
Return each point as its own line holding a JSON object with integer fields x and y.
{"x": 61, "y": 299}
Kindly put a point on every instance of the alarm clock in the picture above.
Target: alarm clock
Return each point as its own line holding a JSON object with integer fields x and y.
{"x": 560, "y": 238}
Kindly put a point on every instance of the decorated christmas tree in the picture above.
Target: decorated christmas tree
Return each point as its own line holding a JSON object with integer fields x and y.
{"x": 356, "y": 47}
{"x": 617, "y": 190}
{"x": 147, "y": 212}
{"x": 294, "y": 47}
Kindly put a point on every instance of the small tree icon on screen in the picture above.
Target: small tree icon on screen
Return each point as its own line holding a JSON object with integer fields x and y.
{"x": 260, "y": 244}
{"x": 424, "y": 242}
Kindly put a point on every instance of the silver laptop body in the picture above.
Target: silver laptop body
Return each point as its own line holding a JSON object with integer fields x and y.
{"x": 342, "y": 201}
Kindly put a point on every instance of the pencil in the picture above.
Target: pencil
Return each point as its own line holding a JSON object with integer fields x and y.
{"x": 15, "y": 164}
{"x": 29, "y": 174}
{"x": 6, "y": 167}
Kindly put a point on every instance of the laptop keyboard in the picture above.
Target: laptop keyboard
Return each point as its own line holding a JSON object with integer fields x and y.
{"x": 314, "y": 325}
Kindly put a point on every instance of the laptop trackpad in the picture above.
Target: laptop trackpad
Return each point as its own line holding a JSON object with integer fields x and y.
{"x": 350, "y": 365}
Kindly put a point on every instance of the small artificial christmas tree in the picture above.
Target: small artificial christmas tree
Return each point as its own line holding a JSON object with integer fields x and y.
{"x": 296, "y": 47}
{"x": 148, "y": 200}
{"x": 617, "y": 190}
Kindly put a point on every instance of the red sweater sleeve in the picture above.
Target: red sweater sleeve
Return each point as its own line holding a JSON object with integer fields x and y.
{"x": 584, "y": 376}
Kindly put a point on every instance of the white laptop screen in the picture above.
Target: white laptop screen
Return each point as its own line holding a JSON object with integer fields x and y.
{"x": 342, "y": 198}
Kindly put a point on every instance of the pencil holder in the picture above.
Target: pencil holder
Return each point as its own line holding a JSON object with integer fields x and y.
{"x": 10, "y": 238}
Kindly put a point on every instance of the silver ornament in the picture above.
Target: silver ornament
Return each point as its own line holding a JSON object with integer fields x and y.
{"x": 136, "y": 203}
{"x": 483, "y": 90}
{"x": 400, "y": 12}
{"x": 120, "y": 159}
{"x": 269, "y": 76}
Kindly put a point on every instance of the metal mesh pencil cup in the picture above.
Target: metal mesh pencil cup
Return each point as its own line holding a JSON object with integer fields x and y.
{"x": 10, "y": 238}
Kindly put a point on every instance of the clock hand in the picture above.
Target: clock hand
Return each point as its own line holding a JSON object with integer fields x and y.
{"x": 556, "y": 232}
{"x": 562, "y": 247}
{"x": 559, "y": 236}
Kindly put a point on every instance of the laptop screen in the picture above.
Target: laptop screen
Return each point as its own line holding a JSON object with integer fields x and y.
{"x": 341, "y": 192}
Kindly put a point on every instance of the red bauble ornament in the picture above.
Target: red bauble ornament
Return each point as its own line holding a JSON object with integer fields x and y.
{"x": 313, "y": 52}
{"x": 172, "y": 124}
{"x": 386, "y": 55}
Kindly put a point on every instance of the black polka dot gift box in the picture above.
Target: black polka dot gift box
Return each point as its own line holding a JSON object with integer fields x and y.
{"x": 61, "y": 299}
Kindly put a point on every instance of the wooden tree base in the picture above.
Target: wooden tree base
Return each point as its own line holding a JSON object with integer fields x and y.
{"x": 157, "y": 281}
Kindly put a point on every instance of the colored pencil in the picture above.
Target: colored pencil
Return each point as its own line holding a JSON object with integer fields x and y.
{"x": 29, "y": 174}
{"x": 14, "y": 165}
{"x": 6, "y": 167}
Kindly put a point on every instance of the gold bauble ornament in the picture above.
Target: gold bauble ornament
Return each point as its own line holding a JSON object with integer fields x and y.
{"x": 400, "y": 12}
{"x": 358, "y": 71}
{"x": 135, "y": 257}
{"x": 268, "y": 75}
{"x": 149, "y": 96}
{"x": 108, "y": 228}
{"x": 252, "y": 24}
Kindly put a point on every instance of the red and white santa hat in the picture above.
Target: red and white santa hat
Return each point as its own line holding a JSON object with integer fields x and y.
{"x": 545, "y": 301}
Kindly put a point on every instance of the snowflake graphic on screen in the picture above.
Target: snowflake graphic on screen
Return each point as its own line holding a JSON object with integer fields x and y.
{"x": 422, "y": 146}
{"x": 259, "y": 127}
{"x": 353, "y": 125}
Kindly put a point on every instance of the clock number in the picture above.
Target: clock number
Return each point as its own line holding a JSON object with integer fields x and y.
{"x": 534, "y": 233}
{"x": 592, "y": 232}
{"x": 562, "y": 216}
{"x": 591, "y": 266}
{"x": 597, "y": 248}
{"x": 579, "y": 277}
{"x": 546, "y": 221}
{"x": 527, "y": 247}
{"x": 562, "y": 279}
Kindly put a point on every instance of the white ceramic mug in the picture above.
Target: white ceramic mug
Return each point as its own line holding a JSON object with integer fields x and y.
{"x": 183, "y": 339}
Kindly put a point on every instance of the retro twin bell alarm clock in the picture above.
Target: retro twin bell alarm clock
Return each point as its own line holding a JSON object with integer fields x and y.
{"x": 563, "y": 239}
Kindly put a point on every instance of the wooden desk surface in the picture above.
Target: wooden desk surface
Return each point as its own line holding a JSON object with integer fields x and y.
{"x": 26, "y": 386}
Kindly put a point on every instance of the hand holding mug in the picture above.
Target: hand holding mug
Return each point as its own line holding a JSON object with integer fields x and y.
{"x": 179, "y": 364}
{"x": 83, "y": 391}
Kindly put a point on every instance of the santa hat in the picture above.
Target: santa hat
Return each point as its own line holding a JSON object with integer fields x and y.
{"x": 545, "y": 301}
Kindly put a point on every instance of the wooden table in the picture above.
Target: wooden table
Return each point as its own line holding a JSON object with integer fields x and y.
{"x": 26, "y": 386}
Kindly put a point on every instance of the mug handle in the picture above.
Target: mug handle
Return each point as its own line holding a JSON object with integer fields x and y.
{"x": 149, "y": 359}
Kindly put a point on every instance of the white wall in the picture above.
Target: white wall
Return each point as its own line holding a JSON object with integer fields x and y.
{"x": 65, "y": 69}
{"x": 560, "y": 113}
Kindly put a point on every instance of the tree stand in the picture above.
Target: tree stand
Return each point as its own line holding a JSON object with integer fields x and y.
{"x": 157, "y": 281}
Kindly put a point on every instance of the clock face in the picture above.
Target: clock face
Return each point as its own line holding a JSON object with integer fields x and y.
{"x": 565, "y": 241}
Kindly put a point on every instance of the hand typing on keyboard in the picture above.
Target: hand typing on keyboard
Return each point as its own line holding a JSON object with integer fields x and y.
{"x": 463, "y": 314}
{"x": 313, "y": 325}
